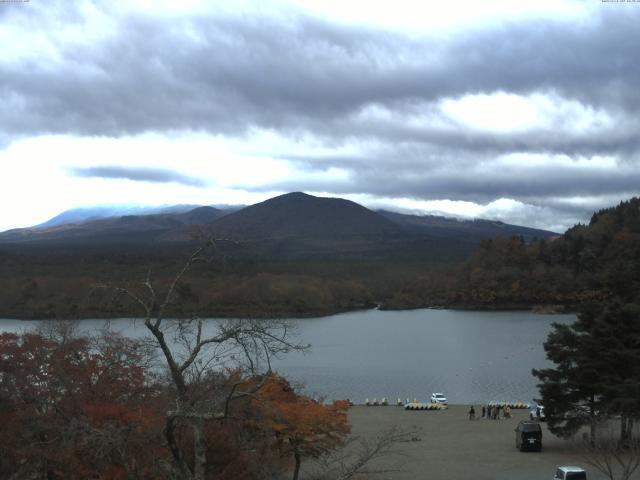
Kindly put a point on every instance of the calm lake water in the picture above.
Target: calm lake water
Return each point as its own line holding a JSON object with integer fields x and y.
{"x": 472, "y": 357}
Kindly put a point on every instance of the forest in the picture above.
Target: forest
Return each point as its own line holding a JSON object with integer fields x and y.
{"x": 585, "y": 264}
{"x": 184, "y": 404}
{"x": 555, "y": 274}
{"x": 177, "y": 404}
{"x": 74, "y": 407}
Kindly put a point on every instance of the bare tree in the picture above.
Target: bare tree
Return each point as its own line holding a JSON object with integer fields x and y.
{"x": 195, "y": 353}
{"x": 615, "y": 459}
{"x": 61, "y": 331}
{"x": 355, "y": 460}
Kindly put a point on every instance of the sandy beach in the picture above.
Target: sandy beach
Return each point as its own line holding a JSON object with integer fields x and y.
{"x": 449, "y": 446}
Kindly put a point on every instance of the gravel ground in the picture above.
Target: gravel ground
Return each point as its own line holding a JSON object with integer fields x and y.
{"x": 449, "y": 446}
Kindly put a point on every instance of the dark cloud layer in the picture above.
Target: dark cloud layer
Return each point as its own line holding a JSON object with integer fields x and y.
{"x": 430, "y": 174}
{"x": 296, "y": 75}
{"x": 157, "y": 175}
{"x": 297, "y": 72}
{"x": 464, "y": 185}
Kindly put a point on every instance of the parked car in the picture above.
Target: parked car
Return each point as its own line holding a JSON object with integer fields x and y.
{"x": 570, "y": 473}
{"x": 438, "y": 398}
{"x": 528, "y": 436}
{"x": 537, "y": 414}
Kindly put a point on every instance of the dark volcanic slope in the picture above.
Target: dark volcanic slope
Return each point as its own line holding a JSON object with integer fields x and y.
{"x": 126, "y": 229}
{"x": 294, "y": 225}
{"x": 301, "y": 215}
{"x": 470, "y": 230}
{"x": 200, "y": 216}
{"x": 88, "y": 214}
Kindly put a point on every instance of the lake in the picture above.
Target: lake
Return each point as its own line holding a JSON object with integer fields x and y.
{"x": 472, "y": 357}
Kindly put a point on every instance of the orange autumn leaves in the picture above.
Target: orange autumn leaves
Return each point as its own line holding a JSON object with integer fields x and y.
{"x": 302, "y": 427}
{"x": 90, "y": 407}
{"x": 75, "y": 409}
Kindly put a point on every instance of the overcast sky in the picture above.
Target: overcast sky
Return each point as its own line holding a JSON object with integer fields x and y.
{"x": 523, "y": 112}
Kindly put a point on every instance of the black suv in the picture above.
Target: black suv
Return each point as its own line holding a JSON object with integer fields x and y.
{"x": 529, "y": 436}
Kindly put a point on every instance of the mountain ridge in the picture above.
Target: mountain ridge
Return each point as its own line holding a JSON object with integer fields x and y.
{"x": 87, "y": 214}
{"x": 438, "y": 225}
{"x": 312, "y": 276}
{"x": 299, "y": 214}
{"x": 293, "y": 223}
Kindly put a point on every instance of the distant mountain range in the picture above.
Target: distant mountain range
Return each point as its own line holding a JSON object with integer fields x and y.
{"x": 118, "y": 229}
{"x": 473, "y": 230}
{"x": 298, "y": 255}
{"x": 291, "y": 224}
{"x": 87, "y": 214}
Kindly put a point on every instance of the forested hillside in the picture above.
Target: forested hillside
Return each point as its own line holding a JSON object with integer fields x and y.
{"x": 588, "y": 262}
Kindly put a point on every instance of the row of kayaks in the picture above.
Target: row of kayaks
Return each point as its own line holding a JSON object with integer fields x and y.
{"x": 383, "y": 401}
{"x": 512, "y": 405}
{"x": 425, "y": 406}
{"x": 416, "y": 405}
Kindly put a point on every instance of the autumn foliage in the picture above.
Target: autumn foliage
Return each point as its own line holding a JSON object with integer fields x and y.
{"x": 91, "y": 408}
{"x": 301, "y": 426}
{"x": 74, "y": 410}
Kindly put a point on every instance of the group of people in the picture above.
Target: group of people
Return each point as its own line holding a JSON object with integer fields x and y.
{"x": 491, "y": 412}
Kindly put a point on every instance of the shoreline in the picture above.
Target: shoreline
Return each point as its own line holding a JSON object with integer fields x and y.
{"x": 537, "y": 309}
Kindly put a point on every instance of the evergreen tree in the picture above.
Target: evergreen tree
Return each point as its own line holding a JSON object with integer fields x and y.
{"x": 571, "y": 391}
{"x": 616, "y": 327}
{"x": 597, "y": 370}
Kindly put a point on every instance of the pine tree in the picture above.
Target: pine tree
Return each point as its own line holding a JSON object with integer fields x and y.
{"x": 571, "y": 391}
{"x": 597, "y": 372}
{"x": 616, "y": 327}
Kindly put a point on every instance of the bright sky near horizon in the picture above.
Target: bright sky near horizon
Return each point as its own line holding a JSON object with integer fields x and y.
{"x": 525, "y": 112}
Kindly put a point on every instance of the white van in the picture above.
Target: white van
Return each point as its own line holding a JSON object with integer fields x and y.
{"x": 438, "y": 398}
{"x": 570, "y": 473}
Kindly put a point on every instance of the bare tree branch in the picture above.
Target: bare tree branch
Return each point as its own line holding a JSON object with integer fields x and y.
{"x": 200, "y": 397}
{"x": 617, "y": 461}
{"x": 356, "y": 458}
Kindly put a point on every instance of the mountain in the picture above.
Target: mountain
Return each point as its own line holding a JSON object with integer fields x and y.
{"x": 470, "y": 230}
{"x": 294, "y": 225}
{"x": 300, "y": 215}
{"x": 201, "y": 216}
{"x": 125, "y": 229}
{"x": 87, "y": 214}
{"x": 293, "y": 255}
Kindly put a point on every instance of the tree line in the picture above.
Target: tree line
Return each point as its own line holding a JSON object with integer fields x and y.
{"x": 595, "y": 380}
{"x": 187, "y": 401}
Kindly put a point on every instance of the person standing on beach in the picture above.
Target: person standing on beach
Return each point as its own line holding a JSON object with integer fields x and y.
{"x": 472, "y": 413}
{"x": 484, "y": 411}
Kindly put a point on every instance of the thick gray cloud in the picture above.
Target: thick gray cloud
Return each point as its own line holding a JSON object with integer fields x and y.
{"x": 297, "y": 75}
{"x": 139, "y": 174}
{"x": 232, "y": 73}
{"x": 474, "y": 185}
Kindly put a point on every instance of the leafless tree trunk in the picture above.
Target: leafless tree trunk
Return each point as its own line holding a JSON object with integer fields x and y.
{"x": 296, "y": 469}
{"x": 593, "y": 420}
{"x": 192, "y": 354}
{"x": 609, "y": 456}
{"x": 626, "y": 429}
